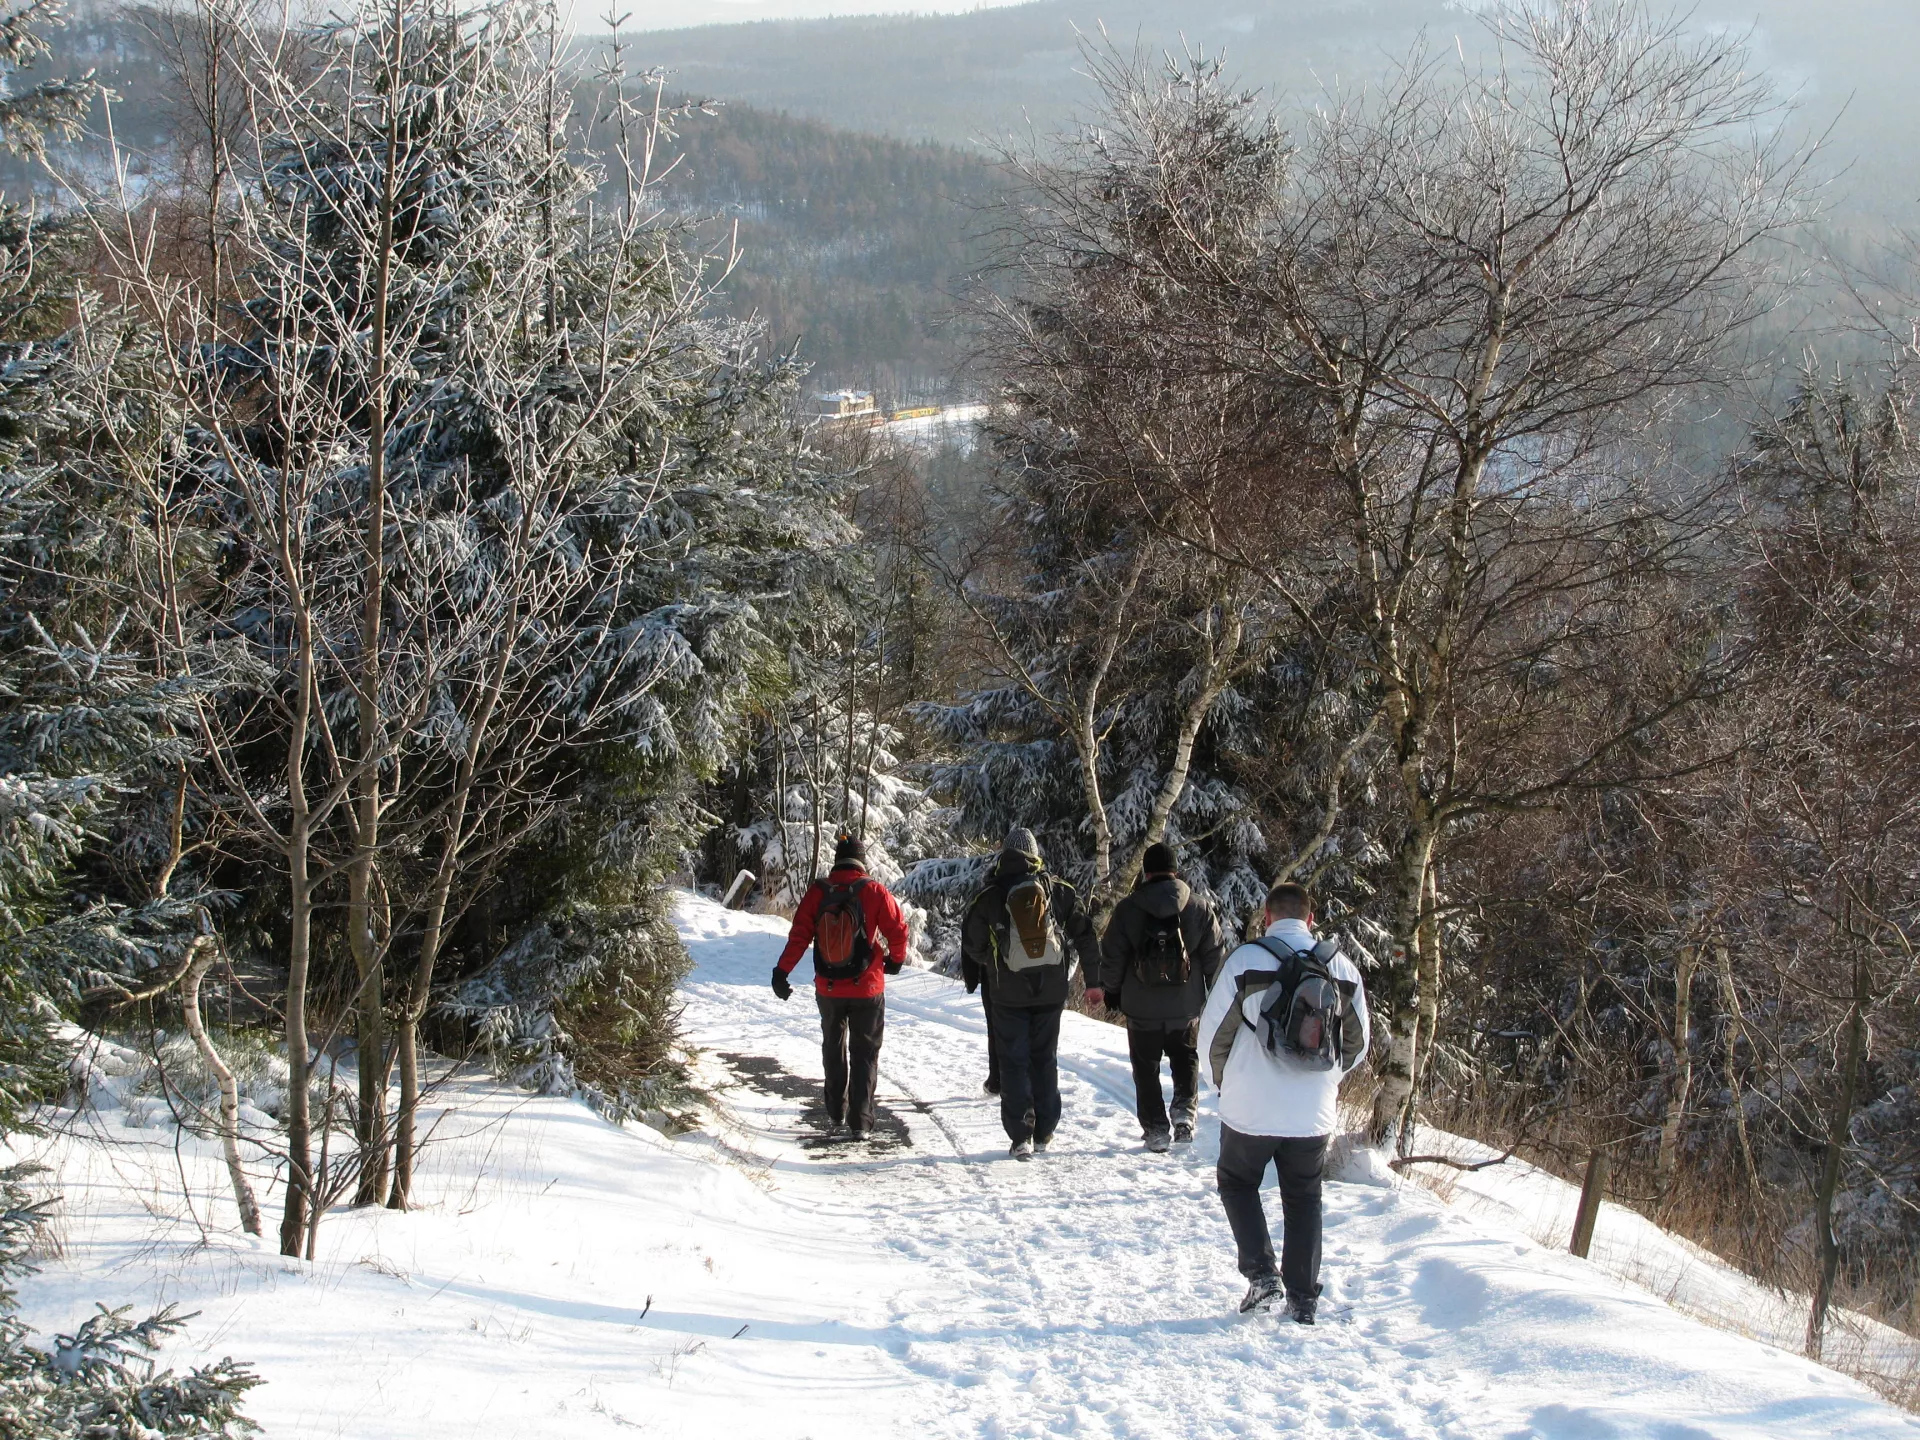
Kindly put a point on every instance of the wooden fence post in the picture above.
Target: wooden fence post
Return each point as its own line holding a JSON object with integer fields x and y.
{"x": 742, "y": 883}
{"x": 1591, "y": 1194}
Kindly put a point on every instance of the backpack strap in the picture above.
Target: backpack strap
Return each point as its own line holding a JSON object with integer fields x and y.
{"x": 1289, "y": 959}
{"x": 1280, "y": 952}
{"x": 1220, "y": 1045}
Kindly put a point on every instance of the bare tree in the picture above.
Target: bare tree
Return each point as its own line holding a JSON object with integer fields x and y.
{"x": 1459, "y": 295}
{"x": 1833, "y": 860}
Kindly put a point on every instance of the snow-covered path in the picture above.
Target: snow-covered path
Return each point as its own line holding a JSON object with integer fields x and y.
{"x": 1091, "y": 1293}
{"x": 566, "y": 1279}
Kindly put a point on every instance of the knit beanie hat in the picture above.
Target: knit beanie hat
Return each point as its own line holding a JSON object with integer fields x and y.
{"x": 849, "y": 850}
{"x": 1020, "y": 841}
{"x": 1159, "y": 860}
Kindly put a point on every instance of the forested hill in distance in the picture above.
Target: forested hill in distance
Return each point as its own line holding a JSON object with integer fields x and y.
{"x": 856, "y": 246}
{"x": 995, "y": 74}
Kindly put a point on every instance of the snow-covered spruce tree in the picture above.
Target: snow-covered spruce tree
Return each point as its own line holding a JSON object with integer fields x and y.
{"x": 1117, "y": 662}
{"x": 500, "y": 498}
{"x": 95, "y": 725}
{"x": 818, "y": 768}
{"x": 827, "y": 746}
{"x": 99, "y": 1382}
{"x": 83, "y": 724}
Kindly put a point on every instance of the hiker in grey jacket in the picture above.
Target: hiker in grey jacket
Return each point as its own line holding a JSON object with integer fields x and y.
{"x": 1028, "y": 975}
{"x": 1276, "y": 1108}
{"x": 1161, "y": 951}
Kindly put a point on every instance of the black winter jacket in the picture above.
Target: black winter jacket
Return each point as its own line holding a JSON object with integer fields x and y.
{"x": 983, "y": 935}
{"x": 1157, "y": 1007}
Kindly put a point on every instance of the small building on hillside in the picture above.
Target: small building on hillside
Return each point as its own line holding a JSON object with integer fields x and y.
{"x": 844, "y": 405}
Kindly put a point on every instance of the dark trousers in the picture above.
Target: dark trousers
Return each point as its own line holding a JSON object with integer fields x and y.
{"x": 993, "y": 1045}
{"x": 1243, "y": 1165}
{"x": 850, "y": 1035}
{"x": 1029, "y": 1041}
{"x": 1181, "y": 1048}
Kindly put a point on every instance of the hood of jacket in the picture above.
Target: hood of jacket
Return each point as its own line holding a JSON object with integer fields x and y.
{"x": 1163, "y": 896}
{"x": 1014, "y": 865}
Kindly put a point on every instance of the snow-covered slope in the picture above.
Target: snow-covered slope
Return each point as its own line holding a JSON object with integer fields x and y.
{"x": 927, "y": 1285}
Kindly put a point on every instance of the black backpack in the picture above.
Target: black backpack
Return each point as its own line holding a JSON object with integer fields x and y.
{"x": 1307, "y": 1014}
{"x": 1163, "y": 958}
{"x": 841, "y": 950}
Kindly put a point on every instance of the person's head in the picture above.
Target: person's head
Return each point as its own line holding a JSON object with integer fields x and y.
{"x": 1020, "y": 842}
{"x": 849, "y": 850}
{"x": 1288, "y": 901}
{"x": 1159, "y": 861}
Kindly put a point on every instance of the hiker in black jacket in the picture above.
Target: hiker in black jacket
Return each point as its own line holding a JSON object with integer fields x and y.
{"x": 1160, "y": 953}
{"x": 1023, "y": 934}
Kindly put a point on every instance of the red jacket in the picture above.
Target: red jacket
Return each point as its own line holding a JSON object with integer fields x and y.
{"x": 886, "y": 933}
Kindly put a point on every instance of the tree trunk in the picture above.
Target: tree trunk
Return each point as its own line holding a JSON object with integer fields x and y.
{"x": 1730, "y": 1000}
{"x": 1679, "y": 1069}
{"x": 368, "y": 959}
{"x": 1427, "y": 982}
{"x": 407, "y": 1050}
{"x": 293, "y": 1222}
{"x": 1839, "y": 1129}
{"x": 400, "y": 1197}
{"x": 1403, "y": 988}
{"x": 433, "y": 933}
{"x": 1215, "y": 673}
{"x": 370, "y": 1057}
{"x": 223, "y": 1075}
{"x": 1087, "y": 745}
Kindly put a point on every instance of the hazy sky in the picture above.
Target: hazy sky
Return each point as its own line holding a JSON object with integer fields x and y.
{"x": 671, "y": 14}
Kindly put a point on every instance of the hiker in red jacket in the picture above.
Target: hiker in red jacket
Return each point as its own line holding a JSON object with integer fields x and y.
{"x": 859, "y": 937}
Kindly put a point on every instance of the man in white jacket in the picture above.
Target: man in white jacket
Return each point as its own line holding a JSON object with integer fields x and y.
{"x": 1276, "y": 1109}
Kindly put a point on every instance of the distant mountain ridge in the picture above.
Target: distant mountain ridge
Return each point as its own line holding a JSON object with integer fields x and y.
{"x": 985, "y": 76}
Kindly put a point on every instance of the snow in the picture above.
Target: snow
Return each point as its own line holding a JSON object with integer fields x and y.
{"x": 927, "y": 1285}
{"x": 1627, "y": 1244}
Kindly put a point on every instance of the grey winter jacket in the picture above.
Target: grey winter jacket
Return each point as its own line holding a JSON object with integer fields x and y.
{"x": 1161, "y": 1007}
{"x": 983, "y": 933}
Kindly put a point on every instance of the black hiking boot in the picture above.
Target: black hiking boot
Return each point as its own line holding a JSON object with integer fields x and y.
{"x": 1022, "y": 1150}
{"x": 1183, "y": 1132}
{"x": 1260, "y": 1295}
{"x": 1040, "y": 1143}
{"x": 1159, "y": 1141}
{"x": 1301, "y": 1308}
{"x": 860, "y": 1134}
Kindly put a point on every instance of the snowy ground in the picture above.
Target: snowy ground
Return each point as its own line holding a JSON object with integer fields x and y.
{"x": 570, "y": 1279}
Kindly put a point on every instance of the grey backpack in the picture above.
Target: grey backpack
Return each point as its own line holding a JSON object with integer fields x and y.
{"x": 1307, "y": 1014}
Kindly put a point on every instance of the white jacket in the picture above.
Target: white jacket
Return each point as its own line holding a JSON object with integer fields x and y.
{"x": 1264, "y": 1094}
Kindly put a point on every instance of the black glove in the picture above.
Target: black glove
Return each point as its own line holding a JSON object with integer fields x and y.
{"x": 973, "y": 983}
{"x": 781, "y": 985}
{"x": 892, "y": 967}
